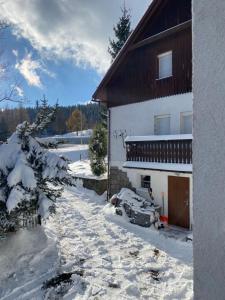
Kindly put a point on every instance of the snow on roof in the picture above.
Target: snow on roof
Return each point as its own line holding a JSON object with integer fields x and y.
{"x": 171, "y": 137}
{"x": 159, "y": 166}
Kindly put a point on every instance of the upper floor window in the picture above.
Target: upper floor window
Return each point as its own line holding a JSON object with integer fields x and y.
{"x": 186, "y": 122}
{"x": 162, "y": 125}
{"x": 165, "y": 64}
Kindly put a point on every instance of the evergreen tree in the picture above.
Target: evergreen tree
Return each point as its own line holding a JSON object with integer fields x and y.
{"x": 31, "y": 177}
{"x": 10, "y": 118}
{"x": 3, "y": 129}
{"x": 98, "y": 150}
{"x": 122, "y": 31}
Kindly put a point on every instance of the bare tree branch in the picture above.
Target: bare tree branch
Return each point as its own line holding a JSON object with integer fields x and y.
{"x": 12, "y": 94}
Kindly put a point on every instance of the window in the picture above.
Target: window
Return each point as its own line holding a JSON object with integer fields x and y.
{"x": 162, "y": 125}
{"x": 186, "y": 122}
{"x": 165, "y": 65}
{"x": 145, "y": 182}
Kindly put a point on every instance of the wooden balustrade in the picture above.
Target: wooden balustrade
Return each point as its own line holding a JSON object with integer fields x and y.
{"x": 169, "y": 151}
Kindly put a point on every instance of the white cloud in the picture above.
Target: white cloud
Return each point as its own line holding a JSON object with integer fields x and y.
{"x": 29, "y": 68}
{"x": 15, "y": 52}
{"x": 2, "y": 70}
{"x": 19, "y": 91}
{"x": 75, "y": 29}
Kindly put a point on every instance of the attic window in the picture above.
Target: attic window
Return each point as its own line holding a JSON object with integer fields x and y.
{"x": 165, "y": 65}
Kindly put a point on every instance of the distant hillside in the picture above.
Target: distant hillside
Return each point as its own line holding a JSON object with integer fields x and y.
{"x": 10, "y": 118}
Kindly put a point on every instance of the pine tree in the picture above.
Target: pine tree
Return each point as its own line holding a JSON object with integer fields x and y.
{"x": 31, "y": 177}
{"x": 98, "y": 150}
{"x": 122, "y": 31}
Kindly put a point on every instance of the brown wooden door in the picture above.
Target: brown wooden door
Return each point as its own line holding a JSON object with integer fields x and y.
{"x": 178, "y": 201}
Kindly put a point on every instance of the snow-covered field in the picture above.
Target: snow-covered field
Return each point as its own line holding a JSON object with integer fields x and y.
{"x": 118, "y": 260}
{"x": 87, "y": 133}
{"x": 82, "y": 169}
{"x": 72, "y": 152}
{"x": 80, "y": 137}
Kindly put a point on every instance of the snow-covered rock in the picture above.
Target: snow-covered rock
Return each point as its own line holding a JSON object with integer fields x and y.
{"x": 139, "y": 210}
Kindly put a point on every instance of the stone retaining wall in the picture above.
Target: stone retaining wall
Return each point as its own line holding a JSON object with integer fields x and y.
{"x": 118, "y": 180}
{"x": 98, "y": 185}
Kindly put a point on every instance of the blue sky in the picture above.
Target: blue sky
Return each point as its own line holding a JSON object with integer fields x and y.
{"x": 59, "y": 48}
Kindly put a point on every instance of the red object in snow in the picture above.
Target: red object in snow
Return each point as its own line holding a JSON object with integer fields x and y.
{"x": 164, "y": 219}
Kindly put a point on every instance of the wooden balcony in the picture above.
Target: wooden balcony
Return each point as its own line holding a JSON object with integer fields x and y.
{"x": 171, "y": 149}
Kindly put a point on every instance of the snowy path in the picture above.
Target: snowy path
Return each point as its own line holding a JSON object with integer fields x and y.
{"x": 27, "y": 259}
{"x": 112, "y": 251}
{"x": 137, "y": 263}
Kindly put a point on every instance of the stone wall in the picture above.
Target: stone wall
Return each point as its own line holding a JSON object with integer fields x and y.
{"x": 118, "y": 180}
{"x": 97, "y": 185}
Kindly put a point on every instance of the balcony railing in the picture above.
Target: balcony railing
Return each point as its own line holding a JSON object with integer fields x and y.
{"x": 173, "y": 149}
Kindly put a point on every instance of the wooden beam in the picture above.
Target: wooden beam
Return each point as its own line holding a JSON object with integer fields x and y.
{"x": 161, "y": 35}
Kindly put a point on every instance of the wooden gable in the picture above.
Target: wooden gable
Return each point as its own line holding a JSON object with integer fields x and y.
{"x": 170, "y": 14}
{"x": 133, "y": 77}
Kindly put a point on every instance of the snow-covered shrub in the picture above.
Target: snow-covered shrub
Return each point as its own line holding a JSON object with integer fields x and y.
{"x": 98, "y": 150}
{"x": 48, "y": 143}
{"x": 31, "y": 177}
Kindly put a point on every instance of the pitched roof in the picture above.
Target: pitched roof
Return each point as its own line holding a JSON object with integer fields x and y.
{"x": 99, "y": 93}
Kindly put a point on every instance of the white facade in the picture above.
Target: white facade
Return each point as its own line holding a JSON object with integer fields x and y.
{"x": 138, "y": 119}
{"x": 159, "y": 184}
{"x": 209, "y": 149}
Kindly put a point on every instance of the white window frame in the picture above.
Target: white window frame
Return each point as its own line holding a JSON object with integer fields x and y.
{"x": 184, "y": 114}
{"x": 160, "y": 56}
{"x": 161, "y": 117}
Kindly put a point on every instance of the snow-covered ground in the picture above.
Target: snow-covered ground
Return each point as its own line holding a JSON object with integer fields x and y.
{"x": 82, "y": 169}
{"x": 87, "y": 133}
{"x": 27, "y": 259}
{"x": 72, "y": 152}
{"x": 120, "y": 260}
{"x": 80, "y": 137}
{"x": 79, "y": 162}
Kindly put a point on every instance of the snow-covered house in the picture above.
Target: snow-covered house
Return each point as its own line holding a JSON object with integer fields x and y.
{"x": 148, "y": 92}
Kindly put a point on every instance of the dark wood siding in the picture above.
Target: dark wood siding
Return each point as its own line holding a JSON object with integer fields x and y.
{"x": 137, "y": 77}
{"x": 172, "y": 13}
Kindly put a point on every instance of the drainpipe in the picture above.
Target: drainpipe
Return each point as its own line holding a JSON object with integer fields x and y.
{"x": 109, "y": 153}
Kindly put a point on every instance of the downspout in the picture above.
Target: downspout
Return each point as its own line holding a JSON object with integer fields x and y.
{"x": 109, "y": 153}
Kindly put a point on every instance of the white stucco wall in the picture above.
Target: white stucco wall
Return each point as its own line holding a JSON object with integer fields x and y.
{"x": 138, "y": 119}
{"x": 159, "y": 183}
{"x": 209, "y": 149}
